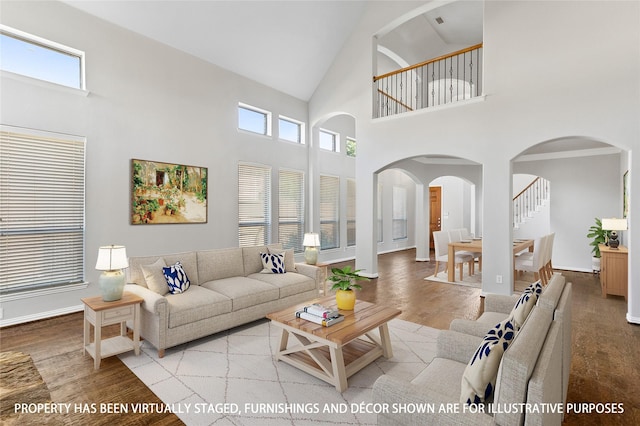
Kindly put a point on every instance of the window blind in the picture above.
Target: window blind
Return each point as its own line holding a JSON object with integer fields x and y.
{"x": 291, "y": 210}
{"x": 351, "y": 212}
{"x": 399, "y": 213}
{"x": 254, "y": 197}
{"x": 42, "y": 198}
{"x": 329, "y": 212}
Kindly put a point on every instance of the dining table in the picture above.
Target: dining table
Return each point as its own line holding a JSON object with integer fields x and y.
{"x": 475, "y": 245}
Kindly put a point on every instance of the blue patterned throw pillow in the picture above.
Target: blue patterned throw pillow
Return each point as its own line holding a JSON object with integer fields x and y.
{"x": 525, "y": 303}
{"x": 273, "y": 263}
{"x": 479, "y": 378}
{"x": 176, "y": 278}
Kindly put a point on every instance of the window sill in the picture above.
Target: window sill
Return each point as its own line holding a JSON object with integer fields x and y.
{"x": 42, "y": 83}
{"x": 44, "y": 291}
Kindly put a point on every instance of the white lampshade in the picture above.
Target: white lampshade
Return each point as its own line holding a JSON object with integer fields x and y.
{"x": 112, "y": 258}
{"x": 613, "y": 224}
{"x": 311, "y": 239}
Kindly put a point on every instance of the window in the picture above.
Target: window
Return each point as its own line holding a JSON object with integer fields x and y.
{"x": 351, "y": 212}
{"x": 254, "y": 198}
{"x": 35, "y": 57}
{"x": 290, "y": 130}
{"x": 291, "y": 210}
{"x": 328, "y": 140}
{"x": 379, "y": 204}
{"x": 254, "y": 119}
{"x": 329, "y": 212}
{"x": 351, "y": 147}
{"x": 42, "y": 202}
{"x": 399, "y": 213}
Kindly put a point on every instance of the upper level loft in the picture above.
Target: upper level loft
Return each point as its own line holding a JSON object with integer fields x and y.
{"x": 444, "y": 44}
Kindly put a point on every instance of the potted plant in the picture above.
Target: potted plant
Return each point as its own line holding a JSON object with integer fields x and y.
{"x": 345, "y": 282}
{"x": 600, "y": 236}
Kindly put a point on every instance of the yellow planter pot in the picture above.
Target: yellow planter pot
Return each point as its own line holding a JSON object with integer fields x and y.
{"x": 346, "y": 299}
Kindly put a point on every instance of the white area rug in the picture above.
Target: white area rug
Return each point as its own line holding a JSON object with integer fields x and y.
{"x": 237, "y": 367}
{"x": 474, "y": 280}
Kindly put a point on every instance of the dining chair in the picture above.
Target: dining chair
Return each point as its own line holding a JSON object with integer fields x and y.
{"x": 465, "y": 235}
{"x": 441, "y": 246}
{"x": 536, "y": 262}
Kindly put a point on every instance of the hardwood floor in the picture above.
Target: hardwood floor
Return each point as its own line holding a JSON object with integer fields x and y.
{"x": 606, "y": 349}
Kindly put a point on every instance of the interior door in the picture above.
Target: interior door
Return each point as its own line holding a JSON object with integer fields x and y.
{"x": 435, "y": 213}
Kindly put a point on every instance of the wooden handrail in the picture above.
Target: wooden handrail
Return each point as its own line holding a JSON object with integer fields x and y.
{"x": 528, "y": 186}
{"x": 427, "y": 62}
{"x": 394, "y": 99}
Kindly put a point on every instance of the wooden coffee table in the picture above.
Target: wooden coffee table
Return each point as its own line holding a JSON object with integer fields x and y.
{"x": 335, "y": 353}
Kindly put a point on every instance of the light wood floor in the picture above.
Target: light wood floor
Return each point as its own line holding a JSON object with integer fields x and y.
{"x": 605, "y": 366}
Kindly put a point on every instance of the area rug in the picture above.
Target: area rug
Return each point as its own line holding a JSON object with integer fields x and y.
{"x": 21, "y": 383}
{"x": 232, "y": 378}
{"x": 474, "y": 280}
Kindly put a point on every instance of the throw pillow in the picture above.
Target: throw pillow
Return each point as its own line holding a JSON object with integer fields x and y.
{"x": 273, "y": 263}
{"x": 525, "y": 303}
{"x": 154, "y": 277}
{"x": 289, "y": 259}
{"x": 176, "y": 278}
{"x": 479, "y": 378}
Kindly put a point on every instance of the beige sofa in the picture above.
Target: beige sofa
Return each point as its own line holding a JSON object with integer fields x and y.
{"x": 227, "y": 289}
{"x": 533, "y": 369}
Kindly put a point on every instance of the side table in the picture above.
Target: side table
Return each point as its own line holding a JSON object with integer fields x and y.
{"x": 99, "y": 314}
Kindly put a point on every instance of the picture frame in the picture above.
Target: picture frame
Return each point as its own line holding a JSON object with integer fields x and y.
{"x": 625, "y": 194}
{"x": 168, "y": 193}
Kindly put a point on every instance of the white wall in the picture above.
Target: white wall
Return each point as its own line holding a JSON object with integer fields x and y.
{"x": 537, "y": 89}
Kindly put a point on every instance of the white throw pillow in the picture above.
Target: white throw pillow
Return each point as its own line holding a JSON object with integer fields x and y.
{"x": 272, "y": 263}
{"x": 289, "y": 259}
{"x": 525, "y": 303}
{"x": 154, "y": 277}
{"x": 479, "y": 378}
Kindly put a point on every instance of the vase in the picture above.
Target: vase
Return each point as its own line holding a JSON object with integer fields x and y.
{"x": 346, "y": 299}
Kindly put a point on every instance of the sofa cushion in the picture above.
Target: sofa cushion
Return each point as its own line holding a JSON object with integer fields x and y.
{"x": 289, "y": 284}
{"x": 244, "y": 292}
{"x": 525, "y": 303}
{"x": 196, "y": 304}
{"x": 154, "y": 277}
{"x": 479, "y": 378}
{"x": 442, "y": 375}
{"x": 272, "y": 263}
{"x": 187, "y": 259}
{"x": 177, "y": 278}
{"x": 289, "y": 259}
{"x": 219, "y": 264}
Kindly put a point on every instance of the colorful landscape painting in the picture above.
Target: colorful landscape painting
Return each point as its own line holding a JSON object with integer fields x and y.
{"x": 165, "y": 193}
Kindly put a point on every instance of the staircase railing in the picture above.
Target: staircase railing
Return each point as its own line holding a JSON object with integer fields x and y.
{"x": 449, "y": 78}
{"x": 530, "y": 200}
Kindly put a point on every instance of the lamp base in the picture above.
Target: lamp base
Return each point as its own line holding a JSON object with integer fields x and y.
{"x": 111, "y": 285}
{"x": 311, "y": 255}
{"x": 613, "y": 240}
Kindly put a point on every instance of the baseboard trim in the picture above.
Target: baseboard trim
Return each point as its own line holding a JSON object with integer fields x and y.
{"x": 41, "y": 315}
{"x": 632, "y": 319}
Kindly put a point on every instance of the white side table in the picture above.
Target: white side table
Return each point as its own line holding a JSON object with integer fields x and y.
{"x": 99, "y": 314}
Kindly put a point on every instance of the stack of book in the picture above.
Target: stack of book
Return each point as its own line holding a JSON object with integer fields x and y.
{"x": 320, "y": 315}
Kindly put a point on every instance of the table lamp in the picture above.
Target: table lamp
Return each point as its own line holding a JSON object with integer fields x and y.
{"x": 111, "y": 260}
{"x": 311, "y": 243}
{"x": 614, "y": 225}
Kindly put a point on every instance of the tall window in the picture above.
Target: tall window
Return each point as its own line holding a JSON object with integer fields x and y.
{"x": 329, "y": 212}
{"x": 291, "y": 209}
{"x": 35, "y": 57}
{"x": 399, "y": 213}
{"x": 42, "y": 201}
{"x": 290, "y": 130}
{"x": 254, "y": 198}
{"x": 254, "y": 119}
{"x": 328, "y": 141}
{"x": 351, "y": 212}
{"x": 351, "y": 147}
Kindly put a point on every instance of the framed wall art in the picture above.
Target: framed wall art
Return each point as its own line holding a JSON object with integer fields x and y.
{"x": 165, "y": 193}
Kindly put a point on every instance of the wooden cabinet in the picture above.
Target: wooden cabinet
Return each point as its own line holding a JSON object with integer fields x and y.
{"x": 613, "y": 271}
